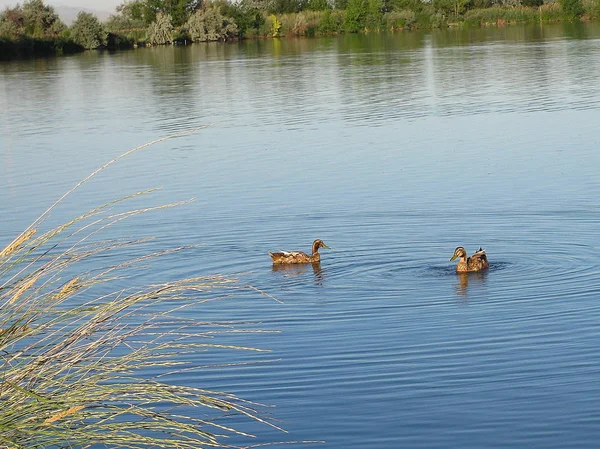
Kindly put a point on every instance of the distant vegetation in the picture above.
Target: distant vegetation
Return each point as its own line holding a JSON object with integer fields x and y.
{"x": 35, "y": 29}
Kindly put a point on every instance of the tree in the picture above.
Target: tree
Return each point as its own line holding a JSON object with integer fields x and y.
{"x": 88, "y": 32}
{"x": 147, "y": 10}
{"x": 11, "y": 21}
{"x": 160, "y": 32}
{"x": 356, "y": 15}
{"x": 40, "y": 20}
{"x": 210, "y": 25}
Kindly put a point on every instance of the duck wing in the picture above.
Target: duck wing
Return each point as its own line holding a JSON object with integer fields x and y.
{"x": 286, "y": 255}
{"x": 477, "y": 261}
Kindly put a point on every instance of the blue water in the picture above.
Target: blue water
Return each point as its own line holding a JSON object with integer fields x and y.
{"x": 393, "y": 150}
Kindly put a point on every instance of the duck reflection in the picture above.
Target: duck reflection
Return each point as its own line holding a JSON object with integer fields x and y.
{"x": 300, "y": 269}
{"x": 469, "y": 280}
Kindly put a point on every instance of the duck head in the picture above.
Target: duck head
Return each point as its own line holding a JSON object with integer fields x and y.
{"x": 459, "y": 252}
{"x": 318, "y": 244}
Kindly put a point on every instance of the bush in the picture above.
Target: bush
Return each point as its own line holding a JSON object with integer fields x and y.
{"x": 571, "y": 8}
{"x": 209, "y": 25}
{"x": 275, "y": 28}
{"x": 27, "y": 47}
{"x": 591, "y": 9}
{"x": 160, "y": 32}
{"x": 332, "y": 22}
{"x": 88, "y": 32}
{"x": 396, "y": 20}
{"x": 117, "y": 41}
{"x": 550, "y": 11}
{"x": 356, "y": 15}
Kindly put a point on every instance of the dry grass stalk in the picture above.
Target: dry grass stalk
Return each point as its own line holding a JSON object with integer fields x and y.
{"x": 70, "y": 287}
{"x": 56, "y": 349}
{"x": 16, "y": 243}
{"x": 25, "y": 285}
{"x": 64, "y": 414}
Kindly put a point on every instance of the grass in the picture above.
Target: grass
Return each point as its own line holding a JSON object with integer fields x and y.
{"x": 78, "y": 339}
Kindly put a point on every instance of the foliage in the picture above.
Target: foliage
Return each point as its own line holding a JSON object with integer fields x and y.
{"x": 550, "y": 11}
{"x": 285, "y": 6}
{"x": 374, "y": 19}
{"x": 396, "y": 20}
{"x": 147, "y": 11}
{"x": 88, "y": 32}
{"x": 40, "y": 20}
{"x": 332, "y": 22}
{"x": 317, "y": 5}
{"x": 591, "y": 8}
{"x": 532, "y": 3}
{"x": 356, "y": 15}
{"x": 498, "y": 15}
{"x": 32, "y": 19}
{"x": 247, "y": 17}
{"x": 76, "y": 335}
{"x": 160, "y": 32}
{"x": 210, "y": 25}
{"x": 571, "y": 8}
{"x": 122, "y": 23}
{"x": 275, "y": 29}
{"x": 27, "y": 47}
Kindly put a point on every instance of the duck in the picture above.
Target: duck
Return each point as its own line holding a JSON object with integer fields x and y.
{"x": 476, "y": 262}
{"x": 290, "y": 257}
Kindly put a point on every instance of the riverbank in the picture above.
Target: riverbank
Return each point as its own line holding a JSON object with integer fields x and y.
{"x": 364, "y": 17}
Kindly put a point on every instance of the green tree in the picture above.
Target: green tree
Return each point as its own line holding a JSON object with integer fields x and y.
{"x": 11, "y": 22}
{"x": 571, "y": 8}
{"x": 374, "y": 14}
{"x": 356, "y": 15}
{"x": 40, "y": 20}
{"x": 244, "y": 15}
{"x": 210, "y": 25}
{"x": 147, "y": 10}
{"x": 88, "y": 32}
{"x": 160, "y": 31}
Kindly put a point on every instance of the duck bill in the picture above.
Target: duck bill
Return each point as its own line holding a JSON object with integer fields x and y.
{"x": 325, "y": 246}
{"x": 453, "y": 257}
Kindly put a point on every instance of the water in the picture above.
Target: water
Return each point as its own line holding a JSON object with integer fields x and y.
{"x": 393, "y": 150}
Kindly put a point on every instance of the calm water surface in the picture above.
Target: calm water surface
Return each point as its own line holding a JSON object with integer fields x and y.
{"x": 393, "y": 150}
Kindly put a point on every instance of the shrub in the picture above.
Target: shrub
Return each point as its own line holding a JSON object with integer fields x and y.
{"x": 275, "y": 28}
{"x": 400, "y": 19}
{"x": 571, "y": 8}
{"x": 550, "y": 11}
{"x": 333, "y": 21}
{"x": 591, "y": 9}
{"x": 209, "y": 25}
{"x": 88, "y": 32}
{"x": 160, "y": 32}
{"x": 356, "y": 15}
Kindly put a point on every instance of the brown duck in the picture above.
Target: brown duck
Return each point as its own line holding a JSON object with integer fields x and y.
{"x": 281, "y": 257}
{"x": 476, "y": 262}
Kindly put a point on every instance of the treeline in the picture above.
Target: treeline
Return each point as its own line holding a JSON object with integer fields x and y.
{"x": 34, "y": 28}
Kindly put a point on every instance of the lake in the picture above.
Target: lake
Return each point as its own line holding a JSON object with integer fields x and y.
{"x": 394, "y": 149}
